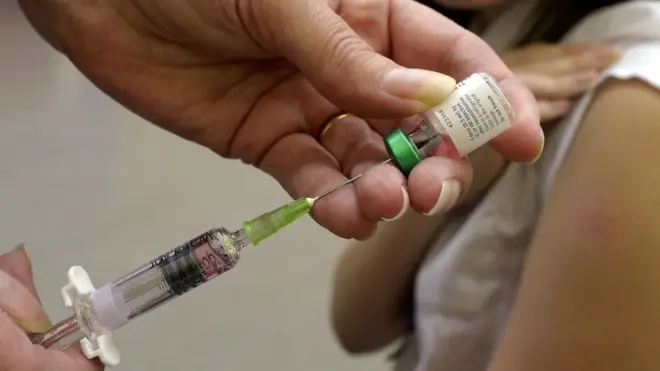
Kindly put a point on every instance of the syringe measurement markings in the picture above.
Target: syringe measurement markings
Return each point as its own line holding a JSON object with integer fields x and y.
{"x": 209, "y": 260}
{"x": 179, "y": 271}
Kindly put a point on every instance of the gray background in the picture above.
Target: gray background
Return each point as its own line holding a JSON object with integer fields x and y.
{"x": 85, "y": 182}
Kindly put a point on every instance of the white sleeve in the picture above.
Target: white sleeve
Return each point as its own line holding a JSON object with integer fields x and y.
{"x": 635, "y": 27}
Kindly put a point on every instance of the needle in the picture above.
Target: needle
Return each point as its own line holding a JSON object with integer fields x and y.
{"x": 326, "y": 193}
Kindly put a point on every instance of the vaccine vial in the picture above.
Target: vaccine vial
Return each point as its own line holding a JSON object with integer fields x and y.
{"x": 476, "y": 111}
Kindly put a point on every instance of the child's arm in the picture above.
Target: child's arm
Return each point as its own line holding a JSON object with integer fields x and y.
{"x": 374, "y": 280}
{"x": 590, "y": 293}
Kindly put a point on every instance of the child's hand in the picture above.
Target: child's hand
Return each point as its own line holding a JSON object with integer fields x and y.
{"x": 558, "y": 73}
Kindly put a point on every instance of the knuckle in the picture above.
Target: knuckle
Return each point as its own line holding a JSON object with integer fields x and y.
{"x": 365, "y": 12}
{"x": 464, "y": 40}
{"x": 344, "y": 49}
{"x": 348, "y": 54}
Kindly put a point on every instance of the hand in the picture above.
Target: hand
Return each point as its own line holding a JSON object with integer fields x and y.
{"x": 21, "y": 312}
{"x": 558, "y": 73}
{"x": 257, "y": 79}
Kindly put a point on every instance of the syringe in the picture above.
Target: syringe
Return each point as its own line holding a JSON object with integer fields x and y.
{"x": 475, "y": 113}
{"x": 98, "y": 312}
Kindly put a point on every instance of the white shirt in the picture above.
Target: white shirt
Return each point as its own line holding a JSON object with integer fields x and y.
{"x": 468, "y": 281}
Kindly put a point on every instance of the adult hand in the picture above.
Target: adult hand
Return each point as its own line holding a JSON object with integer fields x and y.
{"x": 558, "y": 73}
{"x": 257, "y": 79}
{"x": 21, "y": 312}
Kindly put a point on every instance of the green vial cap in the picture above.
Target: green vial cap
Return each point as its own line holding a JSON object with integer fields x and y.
{"x": 402, "y": 150}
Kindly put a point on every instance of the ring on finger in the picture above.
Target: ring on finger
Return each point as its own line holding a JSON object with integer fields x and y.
{"x": 331, "y": 121}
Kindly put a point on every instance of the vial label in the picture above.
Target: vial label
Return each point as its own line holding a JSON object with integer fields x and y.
{"x": 472, "y": 115}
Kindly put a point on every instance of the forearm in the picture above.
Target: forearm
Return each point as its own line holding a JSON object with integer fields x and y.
{"x": 374, "y": 280}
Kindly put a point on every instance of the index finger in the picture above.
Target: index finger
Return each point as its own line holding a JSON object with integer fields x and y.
{"x": 423, "y": 38}
{"x": 305, "y": 169}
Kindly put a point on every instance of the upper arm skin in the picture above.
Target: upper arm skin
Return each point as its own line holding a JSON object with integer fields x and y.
{"x": 590, "y": 293}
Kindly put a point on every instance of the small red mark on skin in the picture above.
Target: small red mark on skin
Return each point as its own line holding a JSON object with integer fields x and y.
{"x": 591, "y": 216}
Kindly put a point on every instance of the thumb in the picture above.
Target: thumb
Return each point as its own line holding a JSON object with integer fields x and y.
{"x": 345, "y": 68}
{"x": 17, "y": 293}
{"x": 17, "y": 264}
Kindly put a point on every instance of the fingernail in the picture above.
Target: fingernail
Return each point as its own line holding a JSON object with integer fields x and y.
{"x": 35, "y": 326}
{"x": 538, "y": 156}
{"x": 404, "y": 208}
{"x": 21, "y": 248}
{"x": 449, "y": 194}
{"x": 426, "y": 87}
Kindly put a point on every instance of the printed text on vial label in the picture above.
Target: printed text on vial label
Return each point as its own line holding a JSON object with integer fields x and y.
{"x": 477, "y": 116}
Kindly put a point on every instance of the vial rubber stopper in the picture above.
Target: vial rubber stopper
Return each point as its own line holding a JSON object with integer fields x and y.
{"x": 402, "y": 150}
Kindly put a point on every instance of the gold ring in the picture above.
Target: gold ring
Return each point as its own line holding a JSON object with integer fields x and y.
{"x": 331, "y": 121}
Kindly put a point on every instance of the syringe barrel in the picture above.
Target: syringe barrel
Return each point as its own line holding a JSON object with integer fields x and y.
{"x": 166, "y": 277}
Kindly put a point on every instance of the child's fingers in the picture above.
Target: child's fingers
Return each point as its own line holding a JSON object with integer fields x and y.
{"x": 556, "y": 87}
{"x": 552, "y": 110}
{"x": 593, "y": 59}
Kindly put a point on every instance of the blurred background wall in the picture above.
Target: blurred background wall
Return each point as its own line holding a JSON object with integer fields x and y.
{"x": 85, "y": 182}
